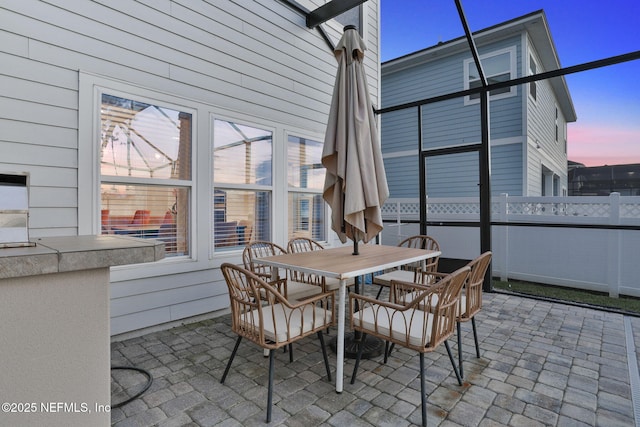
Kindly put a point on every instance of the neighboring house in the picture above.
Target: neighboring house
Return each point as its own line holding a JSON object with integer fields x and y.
{"x": 528, "y": 130}
{"x": 196, "y": 122}
{"x": 604, "y": 180}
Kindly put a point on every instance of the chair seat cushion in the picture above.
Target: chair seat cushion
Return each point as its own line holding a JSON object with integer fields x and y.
{"x": 333, "y": 284}
{"x": 414, "y": 326}
{"x": 401, "y": 275}
{"x": 462, "y": 306}
{"x": 301, "y": 290}
{"x": 281, "y": 323}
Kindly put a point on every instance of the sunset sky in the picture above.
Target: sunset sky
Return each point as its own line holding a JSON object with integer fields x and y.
{"x": 607, "y": 100}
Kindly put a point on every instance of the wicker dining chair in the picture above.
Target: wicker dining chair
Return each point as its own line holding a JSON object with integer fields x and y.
{"x": 291, "y": 288}
{"x": 470, "y": 299}
{"x": 409, "y": 272}
{"x": 305, "y": 244}
{"x": 267, "y": 318}
{"x": 404, "y": 323}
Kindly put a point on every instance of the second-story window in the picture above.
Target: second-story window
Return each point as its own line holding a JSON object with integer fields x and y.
{"x": 532, "y": 71}
{"x": 498, "y": 67}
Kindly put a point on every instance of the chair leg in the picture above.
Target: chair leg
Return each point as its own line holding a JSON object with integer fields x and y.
{"x": 233, "y": 354}
{"x": 270, "y": 390}
{"x": 386, "y": 351}
{"x": 358, "y": 357}
{"x": 423, "y": 392}
{"x": 453, "y": 362}
{"x": 460, "y": 349}
{"x": 324, "y": 354}
{"x": 379, "y": 292}
{"x": 475, "y": 336}
{"x": 290, "y": 352}
{"x": 391, "y": 347}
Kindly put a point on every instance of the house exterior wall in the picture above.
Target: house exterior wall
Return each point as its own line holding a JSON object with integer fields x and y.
{"x": 447, "y": 124}
{"x": 518, "y": 123}
{"x": 256, "y": 62}
{"x": 545, "y": 153}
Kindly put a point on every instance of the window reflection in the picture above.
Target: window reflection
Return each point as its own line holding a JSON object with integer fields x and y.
{"x": 145, "y": 211}
{"x": 142, "y": 143}
{"x": 242, "y": 154}
{"x": 242, "y": 160}
{"x": 307, "y": 210}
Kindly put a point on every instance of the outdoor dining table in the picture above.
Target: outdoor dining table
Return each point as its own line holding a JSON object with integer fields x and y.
{"x": 340, "y": 263}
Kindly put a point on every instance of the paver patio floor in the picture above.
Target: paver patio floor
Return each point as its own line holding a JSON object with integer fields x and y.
{"x": 542, "y": 364}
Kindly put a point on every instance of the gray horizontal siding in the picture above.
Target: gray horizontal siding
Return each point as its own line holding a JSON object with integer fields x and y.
{"x": 402, "y": 176}
{"x": 231, "y": 49}
{"x": 424, "y": 81}
{"x": 167, "y": 298}
{"x": 456, "y": 175}
{"x": 256, "y": 58}
{"x": 506, "y": 170}
{"x": 399, "y": 131}
{"x": 451, "y": 123}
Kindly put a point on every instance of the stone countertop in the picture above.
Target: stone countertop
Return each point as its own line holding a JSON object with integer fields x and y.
{"x": 74, "y": 253}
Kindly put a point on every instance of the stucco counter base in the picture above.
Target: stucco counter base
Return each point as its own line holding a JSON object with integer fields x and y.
{"x": 54, "y": 327}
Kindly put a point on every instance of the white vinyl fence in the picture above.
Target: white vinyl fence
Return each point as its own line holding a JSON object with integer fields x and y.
{"x": 552, "y": 240}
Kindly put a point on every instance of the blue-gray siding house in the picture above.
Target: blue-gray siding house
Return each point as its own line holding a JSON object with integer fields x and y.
{"x": 527, "y": 123}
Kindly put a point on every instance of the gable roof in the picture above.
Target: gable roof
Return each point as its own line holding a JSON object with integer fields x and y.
{"x": 534, "y": 24}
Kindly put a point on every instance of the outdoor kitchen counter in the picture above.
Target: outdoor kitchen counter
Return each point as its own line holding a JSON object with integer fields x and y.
{"x": 54, "y": 327}
{"x": 73, "y": 253}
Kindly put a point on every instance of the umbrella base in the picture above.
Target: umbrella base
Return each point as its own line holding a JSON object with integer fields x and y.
{"x": 373, "y": 346}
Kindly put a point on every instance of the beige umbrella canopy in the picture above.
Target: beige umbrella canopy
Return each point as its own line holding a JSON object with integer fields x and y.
{"x": 355, "y": 184}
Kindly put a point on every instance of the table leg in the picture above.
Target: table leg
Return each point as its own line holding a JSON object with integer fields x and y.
{"x": 342, "y": 291}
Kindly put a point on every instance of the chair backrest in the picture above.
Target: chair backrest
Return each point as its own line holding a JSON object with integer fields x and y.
{"x": 262, "y": 314}
{"x": 104, "y": 220}
{"x": 246, "y": 227}
{"x": 473, "y": 286}
{"x": 248, "y": 297}
{"x": 445, "y": 312}
{"x": 141, "y": 217}
{"x": 304, "y": 244}
{"x": 258, "y": 249}
{"x": 421, "y": 241}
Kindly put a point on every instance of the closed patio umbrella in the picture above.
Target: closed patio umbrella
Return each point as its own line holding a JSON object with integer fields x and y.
{"x": 355, "y": 184}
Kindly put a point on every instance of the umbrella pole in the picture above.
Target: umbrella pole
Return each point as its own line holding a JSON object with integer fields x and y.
{"x": 355, "y": 248}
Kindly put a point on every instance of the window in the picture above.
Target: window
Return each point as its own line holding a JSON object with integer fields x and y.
{"x": 556, "y": 123}
{"x": 305, "y": 176}
{"x": 242, "y": 178}
{"x": 532, "y": 71}
{"x": 498, "y": 67}
{"x": 145, "y": 171}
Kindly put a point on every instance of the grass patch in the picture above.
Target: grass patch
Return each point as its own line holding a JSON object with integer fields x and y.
{"x": 624, "y": 303}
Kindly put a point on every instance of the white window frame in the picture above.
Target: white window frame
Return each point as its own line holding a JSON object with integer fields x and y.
{"x": 201, "y": 255}
{"x": 533, "y": 64}
{"x": 513, "y": 90}
{"x": 327, "y": 217}
{"x": 244, "y": 121}
{"x": 92, "y": 86}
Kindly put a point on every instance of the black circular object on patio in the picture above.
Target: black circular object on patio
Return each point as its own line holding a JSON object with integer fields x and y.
{"x": 373, "y": 346}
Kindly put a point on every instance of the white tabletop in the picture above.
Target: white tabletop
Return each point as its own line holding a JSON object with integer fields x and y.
{"x": 342, "y": 264}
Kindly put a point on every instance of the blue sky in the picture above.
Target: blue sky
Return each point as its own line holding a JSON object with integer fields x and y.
{"x": 607, "y": 100}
